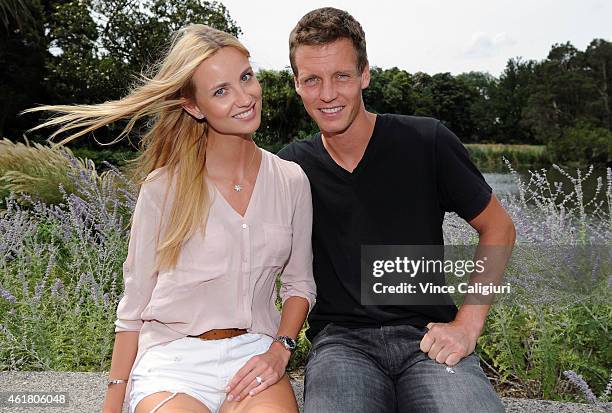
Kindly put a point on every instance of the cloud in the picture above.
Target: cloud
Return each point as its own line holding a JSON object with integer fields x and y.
{"x": 483, "y": 45}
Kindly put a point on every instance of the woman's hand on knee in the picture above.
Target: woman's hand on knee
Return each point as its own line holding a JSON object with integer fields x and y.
{"x": 259, "y": 373}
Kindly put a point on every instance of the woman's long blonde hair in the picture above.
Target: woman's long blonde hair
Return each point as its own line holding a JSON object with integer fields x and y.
{"x": 176, "y": 140}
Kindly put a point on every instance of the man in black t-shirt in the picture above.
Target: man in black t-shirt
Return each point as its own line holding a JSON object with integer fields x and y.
{"x": 383, "y": 180}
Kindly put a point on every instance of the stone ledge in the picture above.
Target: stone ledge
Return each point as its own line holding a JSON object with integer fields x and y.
{"x": 86, "y": 394}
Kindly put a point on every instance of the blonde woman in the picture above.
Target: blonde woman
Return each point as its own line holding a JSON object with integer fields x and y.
{"x": 216, "y": 219}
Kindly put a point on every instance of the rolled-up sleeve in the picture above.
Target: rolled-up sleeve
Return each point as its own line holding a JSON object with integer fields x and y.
{"x": 139, "y": 273}
{"x": 297, "y": 278}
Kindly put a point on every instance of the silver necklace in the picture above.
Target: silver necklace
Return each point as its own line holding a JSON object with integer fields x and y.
{"x": 238, "y": 185}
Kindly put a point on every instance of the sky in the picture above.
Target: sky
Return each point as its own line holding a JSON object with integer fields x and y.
{"x": 433, "y": 36}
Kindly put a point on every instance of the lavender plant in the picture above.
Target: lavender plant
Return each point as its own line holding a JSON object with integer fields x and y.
{"x": 559, "y": 315}
{"x": 60, "y": 275}
{"x": 578, "y": 381}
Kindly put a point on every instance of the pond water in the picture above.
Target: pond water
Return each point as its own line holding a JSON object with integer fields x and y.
{"x": 501, "y": 183}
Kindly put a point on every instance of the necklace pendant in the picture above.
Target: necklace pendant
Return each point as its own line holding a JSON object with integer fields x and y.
{"x": 237, "y": 187}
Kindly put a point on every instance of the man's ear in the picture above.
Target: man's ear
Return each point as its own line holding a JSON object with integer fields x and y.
{"x": 365, "y": 76}
{"x": 193, "y": 109}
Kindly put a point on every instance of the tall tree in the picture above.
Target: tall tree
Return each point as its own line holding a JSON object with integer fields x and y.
{"x": 598, "y": 56}
{"x": 444, "y": 97}
{"x": 283, "y": 115}
{"x": 390, "y": 90}
{"x": 482, "y": 110}
{"x": 23, "y": 51}
{"x": 561, "y": 93}
{"x": 101, "y": 57}
{"x": 99, "y": 47}
{"x": 74, "y": 71}
{"x": 510, "y": 99}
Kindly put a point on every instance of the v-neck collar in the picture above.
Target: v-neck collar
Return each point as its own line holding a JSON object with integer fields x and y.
{"x": 367, "y": 154}
{"x": 253, "y": 198}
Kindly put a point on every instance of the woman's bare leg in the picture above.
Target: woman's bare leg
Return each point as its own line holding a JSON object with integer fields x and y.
{"x": 278, "y": 398}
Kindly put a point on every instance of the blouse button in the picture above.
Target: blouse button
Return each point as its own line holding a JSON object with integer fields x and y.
{"x": 244, "y": 226}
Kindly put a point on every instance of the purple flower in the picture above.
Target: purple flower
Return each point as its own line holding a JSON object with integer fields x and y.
{"x": 38, "y": 292}
{"x": 579, "y": 382}
{"x": 82, "y": 281}
{"x": 57, "y": 288}
{"x": 7, "y": 296}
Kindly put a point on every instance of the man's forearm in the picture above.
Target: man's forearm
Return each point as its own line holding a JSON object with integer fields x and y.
{"x": 472, "y": 318}
{"x": 496, "y": 245}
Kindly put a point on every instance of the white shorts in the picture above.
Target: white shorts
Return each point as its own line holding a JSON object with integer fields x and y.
{"x": 199, "y": 368}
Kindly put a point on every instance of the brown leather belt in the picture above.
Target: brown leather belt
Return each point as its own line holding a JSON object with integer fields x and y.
{"x": 218, "y": 334}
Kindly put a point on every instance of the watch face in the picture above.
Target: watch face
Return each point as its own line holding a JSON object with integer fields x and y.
{"x": 288, "y": 342}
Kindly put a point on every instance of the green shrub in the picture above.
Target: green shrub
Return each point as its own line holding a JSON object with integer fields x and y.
{"x": 528, "y": 348}
{"x": 583, "y": 143}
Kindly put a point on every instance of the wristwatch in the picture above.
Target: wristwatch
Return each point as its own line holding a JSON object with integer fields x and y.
{"x": 287, "y": 342}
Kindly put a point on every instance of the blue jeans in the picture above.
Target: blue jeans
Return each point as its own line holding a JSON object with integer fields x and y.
{"x": 382, "y": 369}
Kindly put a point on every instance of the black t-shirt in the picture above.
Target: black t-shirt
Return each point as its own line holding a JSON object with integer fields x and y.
{"x": 413, "y": 170}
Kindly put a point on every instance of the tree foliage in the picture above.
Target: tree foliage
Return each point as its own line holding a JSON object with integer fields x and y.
{"x": 90, "y": 51}
{"x": 23, "y": 52}
{"x": 283, "y": 115}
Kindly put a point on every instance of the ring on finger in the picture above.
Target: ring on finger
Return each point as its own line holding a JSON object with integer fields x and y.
{"x": 258, "y": 379}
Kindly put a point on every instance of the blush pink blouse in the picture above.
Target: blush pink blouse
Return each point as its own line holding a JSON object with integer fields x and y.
{"x": 226, "y": 278}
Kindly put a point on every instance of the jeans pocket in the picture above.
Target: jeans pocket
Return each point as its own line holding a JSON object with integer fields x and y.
{"x": 320, "y": 335}
{"x": 413, "y": 331}
{"x": 325, "y": 330}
